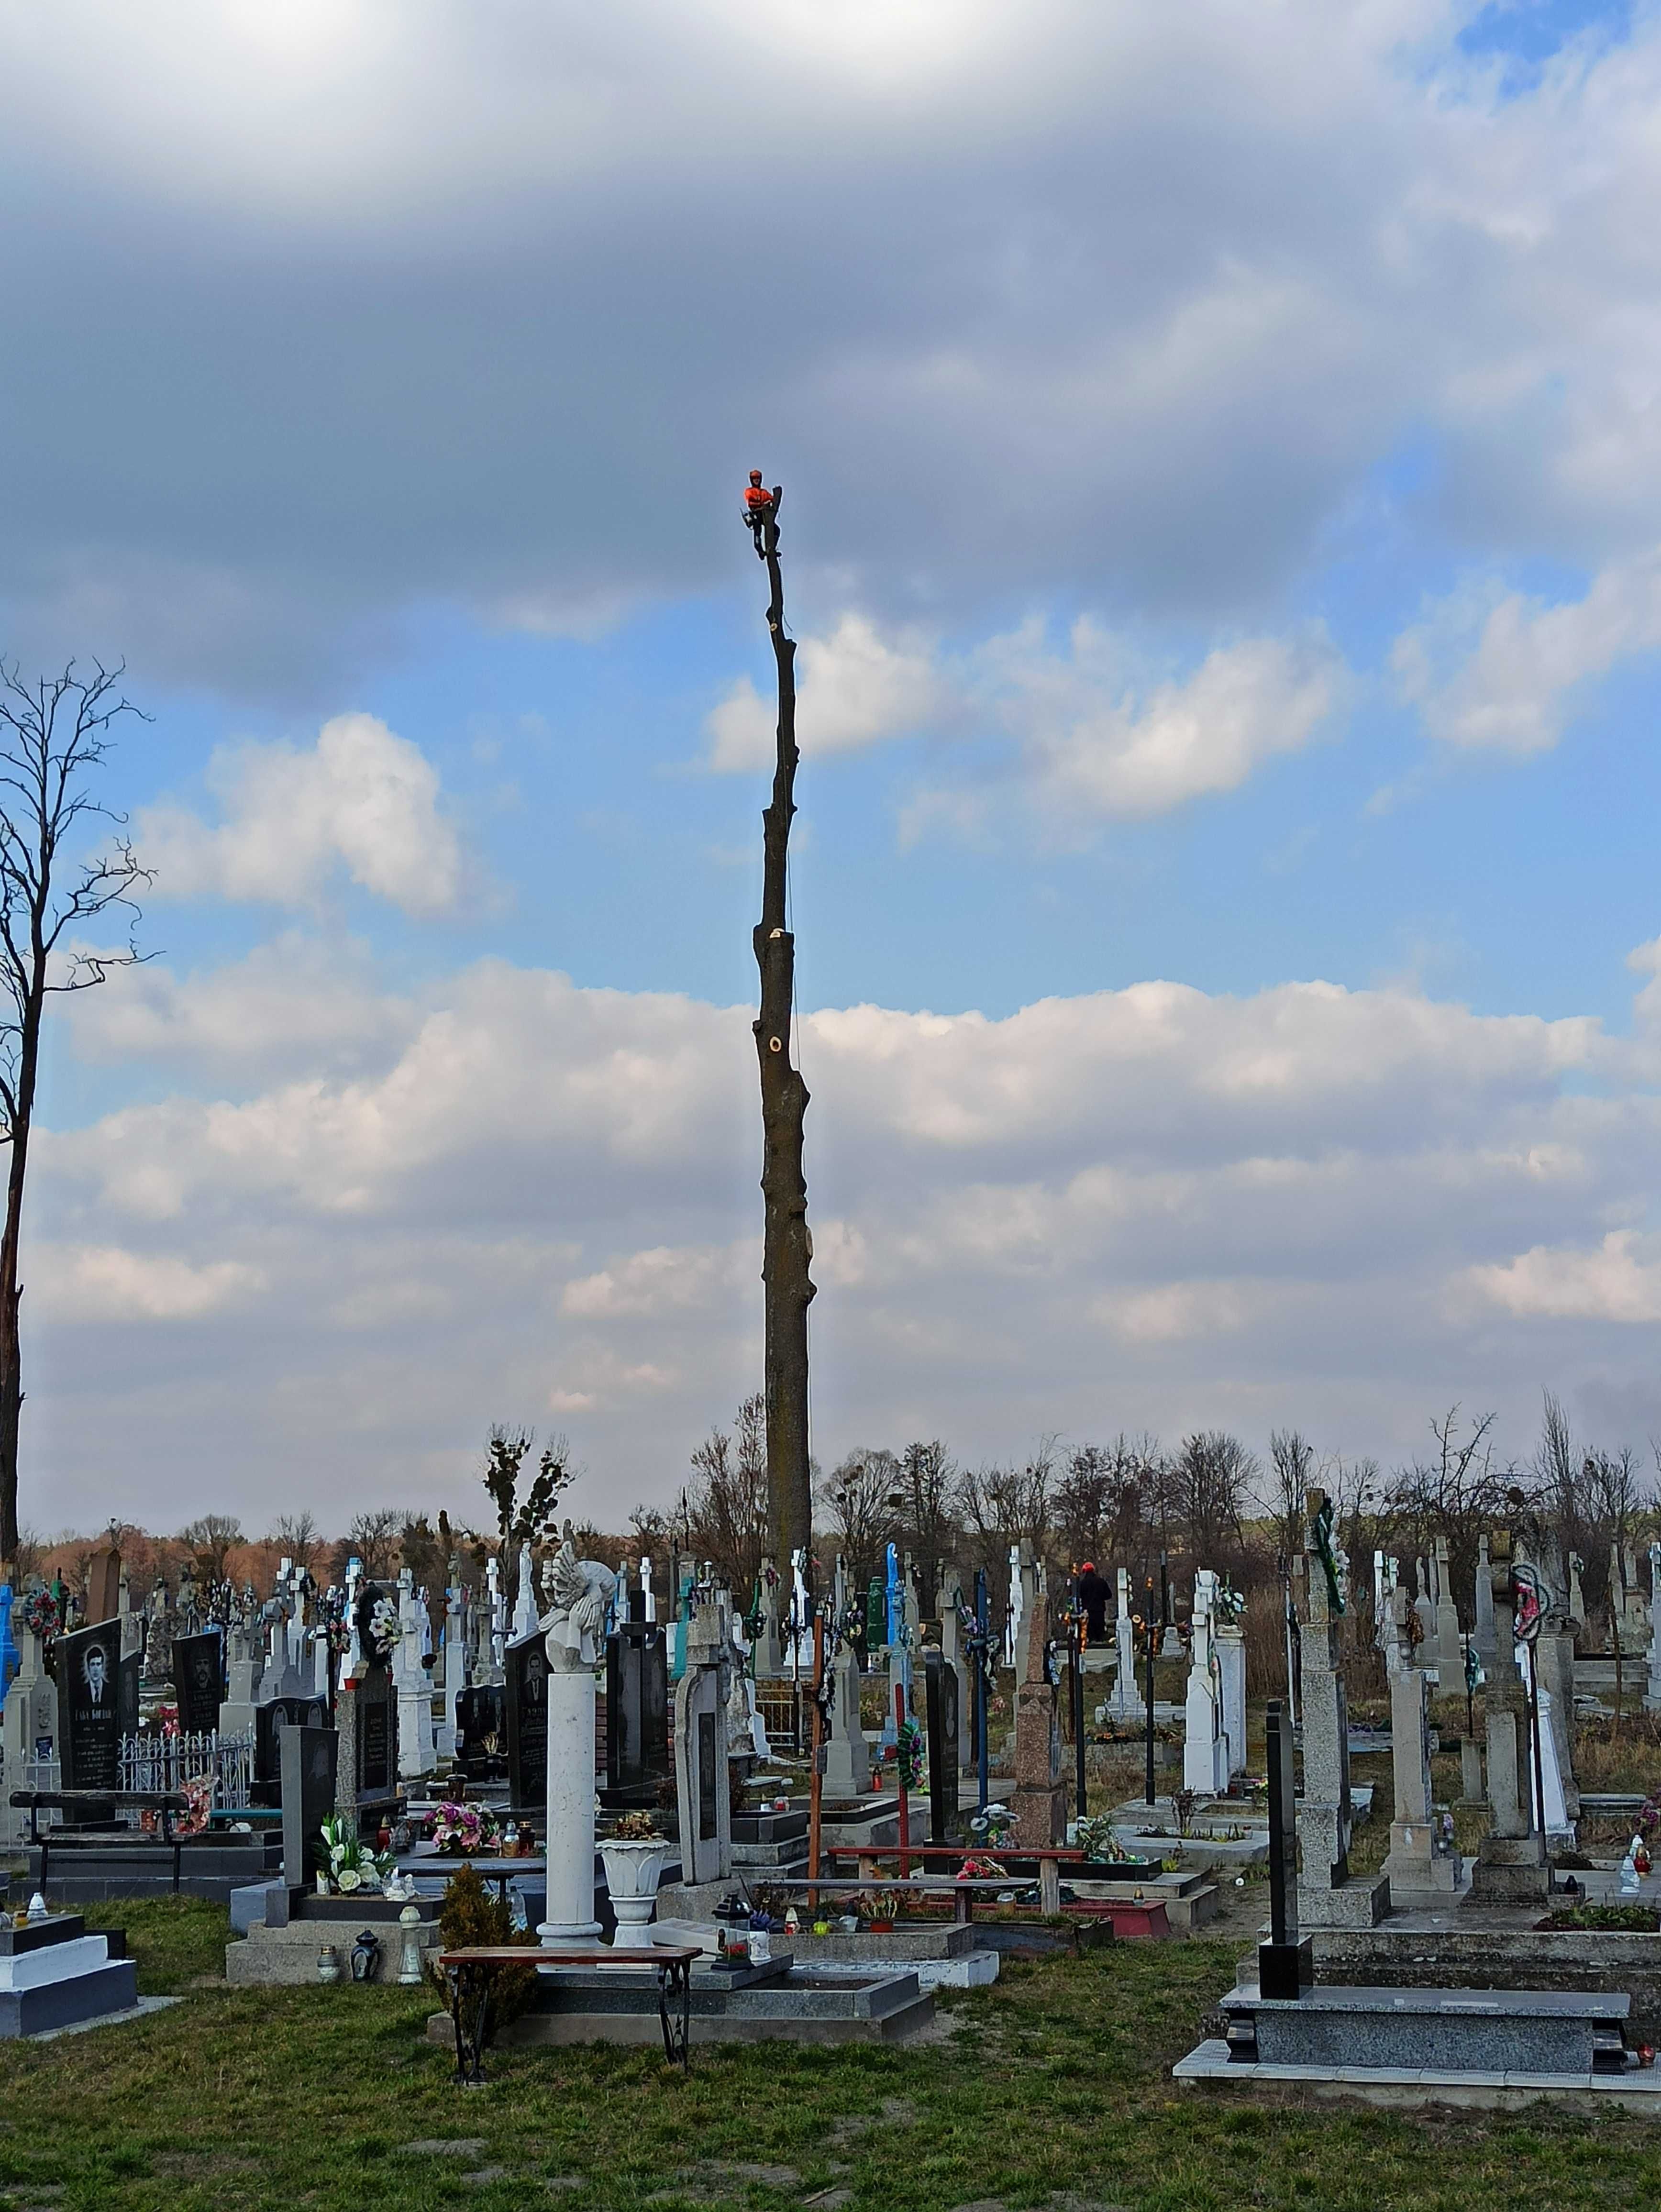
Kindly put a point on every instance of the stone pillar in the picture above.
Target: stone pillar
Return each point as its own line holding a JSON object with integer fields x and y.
{"x": 1329, "y": 1895}
{"x": 1482, "y": 1613}
{"x": 417, "y": 1754}
{"x": 1040, "y": 1799}
{"x": 1421, "y": 1875}
{"x": 569, "y": 1841}
{"x": 1450, "y": 1652}
{"x": 1652, "y": 1693}
{"x": 1510, "y": 1860}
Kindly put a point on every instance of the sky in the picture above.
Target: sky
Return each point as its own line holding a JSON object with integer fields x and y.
{"x": 1222, "y": 449}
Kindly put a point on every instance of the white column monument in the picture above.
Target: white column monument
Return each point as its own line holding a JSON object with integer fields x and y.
{"x": 578, "y": 1592}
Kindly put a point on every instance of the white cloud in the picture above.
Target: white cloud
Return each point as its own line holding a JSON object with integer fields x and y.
{"x": 1098, "y": 742}
{"x": 83, "y": 1283}
{"x": 1099, "y": 732}
{"x": 1149, "y": 1207}
{"x": 363, "y": 799}
{"x": 1611, "y": 1282}
{"x": 1503, "y": 672}
{"x": 853, "y": 689}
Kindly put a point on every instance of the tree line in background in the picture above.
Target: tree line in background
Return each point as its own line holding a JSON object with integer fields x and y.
{"x": 1206, "y": 1501}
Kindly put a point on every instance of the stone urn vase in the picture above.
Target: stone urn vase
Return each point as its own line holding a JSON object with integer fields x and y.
{"x": 633, "y": 1871}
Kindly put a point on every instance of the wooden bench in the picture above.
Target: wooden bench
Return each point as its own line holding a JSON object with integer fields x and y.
{"x": 472, "y": 1972}
{"x": 167, "y": 1803}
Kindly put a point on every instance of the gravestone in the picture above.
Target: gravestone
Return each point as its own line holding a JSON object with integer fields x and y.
{"x": 636, "y": 1713}
{"x": 1232, "y": 1666}
{"x": 701, "y": 1783}
{"x": 418, "y": 1753}
{"x": 1423, "y": 1876}
{"x": 1205, "y": 1744}
{"x": 945, "y": 1754}
{"x": 1329, "y": 1895}
{"x": 1127, "y": 1696}
{"x": 847, "y": 1753}
{"x": 1285, "y": 1964}
{"x": 770, "y": 1646}
{"x": 1448, "y": 1653}
{"x": 29, "y": 1729}
{"x": 196, "y": 1680}
{"x": 1482, "y": 1607}
{"x": 242, "y": 1672}
{"x": 87, "y": 1665}
{"x": 525, "y": 1710}
{"x": 482, "y": 1731}
{"x": 1653, "y": 1691}
{"x": 104, "y": 1585}
{"x": 271, "y": 1719}
{"x": 128, "y": 1680}
{"x": 309, "y": 1784}
{"x": 1040, "y": 1800}
{"x": 1510, "y": 1859}
{"x": 376, "y": 1709}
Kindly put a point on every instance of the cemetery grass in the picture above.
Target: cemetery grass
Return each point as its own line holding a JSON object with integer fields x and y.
{"x": 1051, "y": 2090}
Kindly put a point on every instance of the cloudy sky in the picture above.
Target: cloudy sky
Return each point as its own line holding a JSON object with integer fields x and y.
{"x": 1222, "y": 452}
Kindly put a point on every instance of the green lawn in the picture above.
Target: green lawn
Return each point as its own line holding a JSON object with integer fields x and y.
{"x": 1053, "y": 2091}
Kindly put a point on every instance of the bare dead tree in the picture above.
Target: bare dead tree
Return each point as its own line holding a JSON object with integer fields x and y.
{"x": 927, "y": 1484}
{"x": 54, "y": 735}
{"x": 787, "y": 1246}
{"x": 724, "y": 1511}
{"x": 863, "y": 1496}
{"x": 210, "y": 1539}
{"x": 297, "y": 1537}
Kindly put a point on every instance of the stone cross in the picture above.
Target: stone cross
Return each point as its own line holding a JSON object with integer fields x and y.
{"x": 1205, "y": 1749}
{"x": 1487, "y": 1643}
{"x": 847, "y": 1753}
{"x": 1510, "y": 1860}
{"x": 1128, "y": 1704}
{"x": 1421, "y": 1874}
{"x": 770, "y": 1648}
{"x": 1450, "y": 1655}
{"x": 1328, "y": 1896}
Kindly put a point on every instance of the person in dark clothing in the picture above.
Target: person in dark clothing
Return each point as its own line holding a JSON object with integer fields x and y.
{"x": 1094, "y": 1591}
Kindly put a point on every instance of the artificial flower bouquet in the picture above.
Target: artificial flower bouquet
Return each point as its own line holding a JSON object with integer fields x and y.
{"x": 350, "y": 1865}
{"x": 462, "y": 1830}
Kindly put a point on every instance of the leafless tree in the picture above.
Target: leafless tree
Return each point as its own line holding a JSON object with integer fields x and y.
{"x": 1211, "y": 1480}
{"x": 928, "y": 1483}
{"x": 373, "y": 1539}
{"x": 210, "y": 1541}
{"x": 297, "y": 1537}
{"x": 1459, "y": 1492}
{"x": 54, "y": 735}
{"x": 1002, "y": 1505}
{"x": 1084, "y": 1499}
{"x": 724, "y": 1509}
{"x": 1292, "y": 1459}
{"x": 861, "y": 1497}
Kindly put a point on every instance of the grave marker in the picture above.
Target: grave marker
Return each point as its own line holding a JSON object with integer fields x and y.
{"x": 526, "y": 1708}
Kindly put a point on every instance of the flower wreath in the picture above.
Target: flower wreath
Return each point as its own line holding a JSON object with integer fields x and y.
{"x": 40, "y": 1615}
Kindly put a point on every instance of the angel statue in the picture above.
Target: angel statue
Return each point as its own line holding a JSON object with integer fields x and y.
{"x": 575, "y": 1623}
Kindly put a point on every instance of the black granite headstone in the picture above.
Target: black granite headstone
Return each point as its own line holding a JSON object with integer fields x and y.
{"x": 482, "y": 1731}
{"x": 1285, "y": 1964}
{"x": 129, "y": 1675}
{"x": 377, "y": 1736}
{"x": 308, "y": 1756}
{"x": 941, "y": 1684}
{"x": 636, "y": 1713}
{"x": 526, "y": 1703}
{"x": 270, "y": 1721}
{"x": 198, "y": 1677}
{"x": 87, "y": 1665}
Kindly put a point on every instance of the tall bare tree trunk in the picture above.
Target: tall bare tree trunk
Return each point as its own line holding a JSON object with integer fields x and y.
{"x": 789, "y": 1246}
